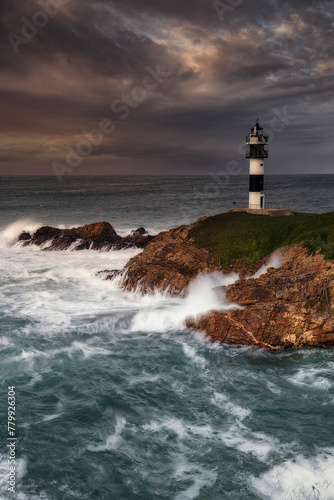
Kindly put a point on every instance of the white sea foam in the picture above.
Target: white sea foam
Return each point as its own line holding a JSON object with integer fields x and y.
{"x": 223, "y": 402}
{"x": 313, "y": 378}
{"x": 257, "y": 444}
{"x": 175, "y": 425}
{"x": 178, "y": 387}
{"x": 299, "y": 479}
{"x": 182, "y": 429}
{"x": 4, "y": 473}
{"x": 4, "y": 342}
{"x": 190, "y": 352}
{"x": 185, "y": 470}
{"x": 113, "y": 441}
{"x": 55, "y": 291}
{"x": 241, "y": 437}
{"x": 49, "y": 418}
{"x": 30, "y": 496}
{"x": 89, "y": 351}
{"x": 201, "y": 477}
{"x": 86, "y": 349}
{"x": 145, "y": 377}
{"x": 62, "y": 291}
{"x": 9, "y": 235}
{"x": 201, "y": 298}
{"x": 273, "y": 387}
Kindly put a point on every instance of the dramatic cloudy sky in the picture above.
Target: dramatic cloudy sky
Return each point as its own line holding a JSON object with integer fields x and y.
{"x": 221, "y": 64}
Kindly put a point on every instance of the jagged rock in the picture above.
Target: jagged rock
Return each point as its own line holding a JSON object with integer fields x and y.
{"x": 24, "y": 236}
{"x": 291, "y": 306}
{"x": 172, "y": 260}
{"x": 141, "y": 231}
{"x": 96, "y": 236}
{"x": 109, "y": 274}
{"x": 168, "y": 263}
{"x": 139, "y": 240}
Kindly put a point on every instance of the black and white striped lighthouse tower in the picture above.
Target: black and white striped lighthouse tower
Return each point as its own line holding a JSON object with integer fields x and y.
{"x": 256, "y": 152}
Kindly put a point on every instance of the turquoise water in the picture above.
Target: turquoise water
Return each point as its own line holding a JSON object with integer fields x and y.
{"x": 115, "y": 398}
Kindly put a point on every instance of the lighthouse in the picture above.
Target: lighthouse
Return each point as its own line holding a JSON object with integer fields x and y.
{"x": 256, "y": 152}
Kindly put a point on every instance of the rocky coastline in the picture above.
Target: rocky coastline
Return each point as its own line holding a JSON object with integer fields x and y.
{"x": 286, "y": 307}
{"x": 290, "y": 306}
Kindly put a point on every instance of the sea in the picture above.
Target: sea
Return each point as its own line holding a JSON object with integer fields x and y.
{"x": 113, "y": 398}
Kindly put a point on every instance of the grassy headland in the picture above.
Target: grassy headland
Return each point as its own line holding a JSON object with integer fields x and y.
{"x": 241, "y": 238}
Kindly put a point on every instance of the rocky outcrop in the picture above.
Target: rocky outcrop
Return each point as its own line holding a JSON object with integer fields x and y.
{"x": 289, "y": 306}
{"x": 96, "y": 236}
{"x": 172, "y": 260}
{"x": 168, "y": 263}
{"x": 292, "y": 306}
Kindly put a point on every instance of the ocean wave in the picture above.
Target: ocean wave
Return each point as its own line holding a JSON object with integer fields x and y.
{"x": 299, "y": 479}
{"x": 85, "y": 349}
{"x": 314, "y": 378}
{"x": 168, "y": 313}
{"x": 225, "y": 404}
{"x": 200, "y": 476}
{"x": 240, "y": 437}
{"x": 113, "y": 441}
{"x": 10, "y": 233}
{"x": 191, "y": 354}
{"x": 178, "y": 426}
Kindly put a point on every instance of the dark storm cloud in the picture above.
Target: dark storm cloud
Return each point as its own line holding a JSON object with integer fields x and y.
{"x": 225, "y": 65}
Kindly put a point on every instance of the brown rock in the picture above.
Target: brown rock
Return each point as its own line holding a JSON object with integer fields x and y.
{"x": 24, "y": 236}
{"x": 288, "y": 307}
{"x": 96, "y": 236}
{"x": 169, "y": 262}
{"x": 138, "y": 238}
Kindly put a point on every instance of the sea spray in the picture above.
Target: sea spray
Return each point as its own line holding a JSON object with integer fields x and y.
{"x": 303, "y": 478}
{"x": 275, "y": 261}
{"x": 9, "y": 235}
{"x": 202, "y": 297}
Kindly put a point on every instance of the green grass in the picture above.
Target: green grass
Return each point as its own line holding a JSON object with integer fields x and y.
{"x": 241, "y": 238}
